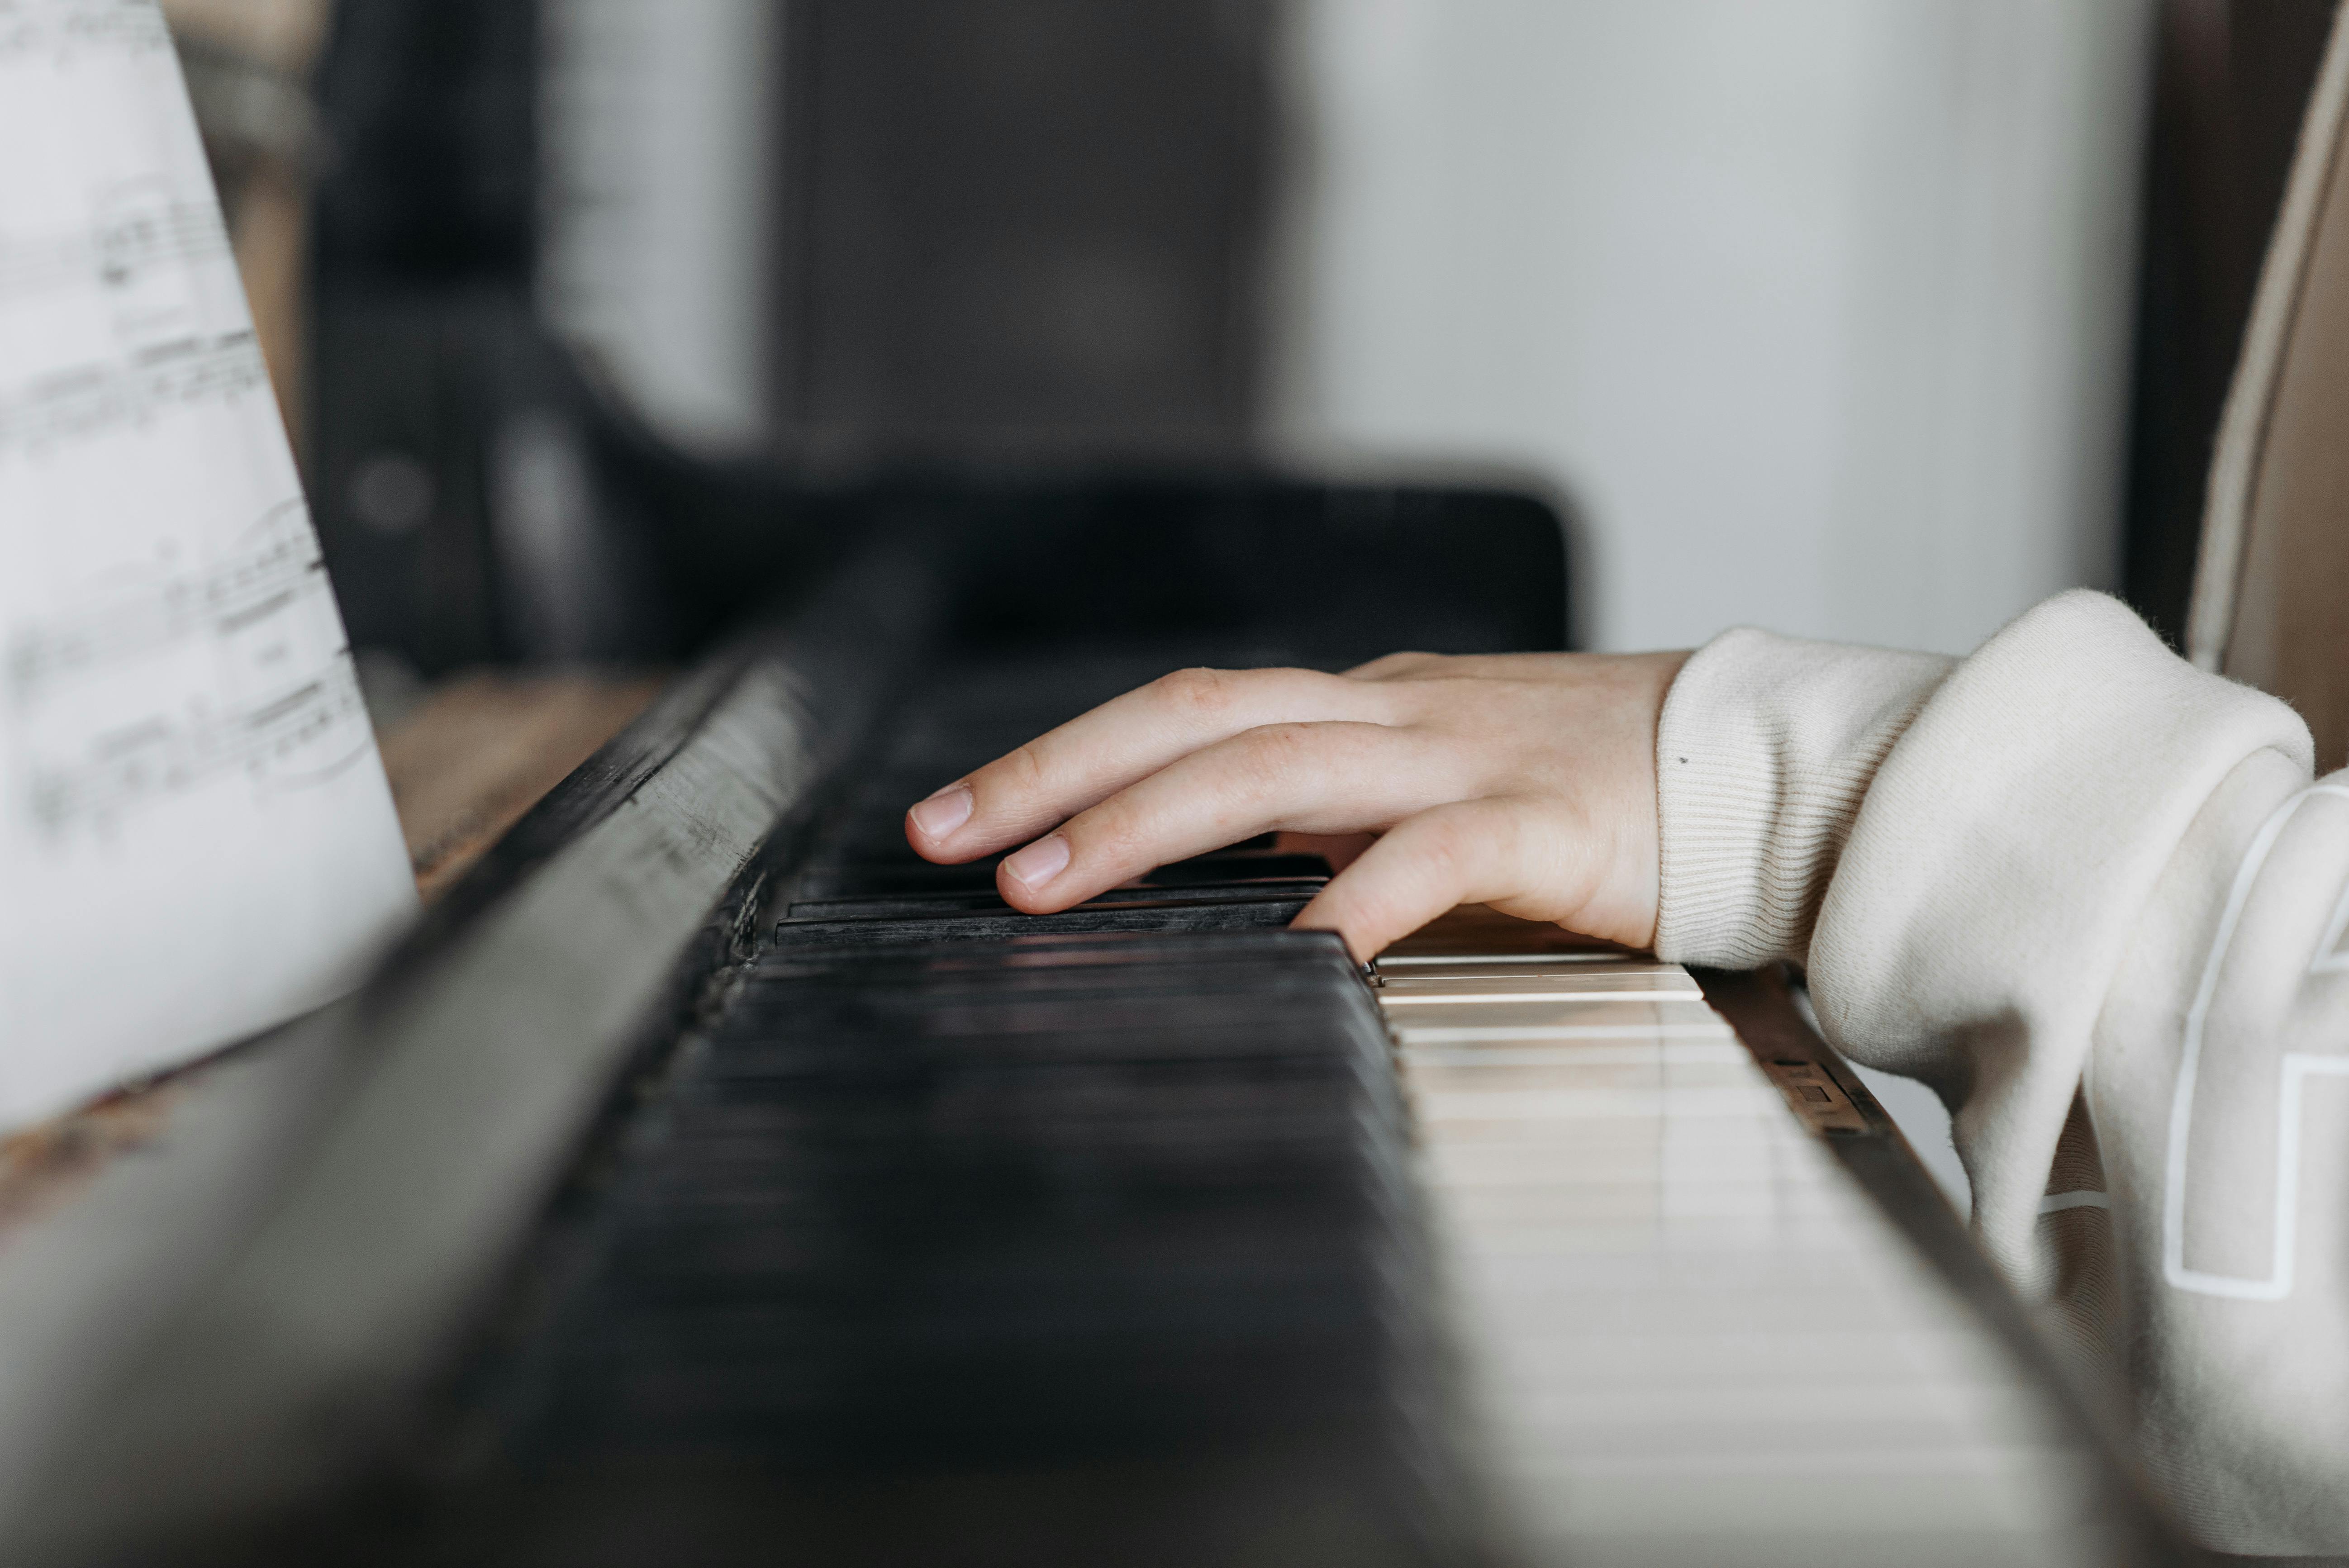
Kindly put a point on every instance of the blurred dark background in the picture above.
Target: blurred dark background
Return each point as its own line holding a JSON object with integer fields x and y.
{"x": 991, "y": 238}
{"x": 1033, "y": 227}
{"x": 929, "y": 256}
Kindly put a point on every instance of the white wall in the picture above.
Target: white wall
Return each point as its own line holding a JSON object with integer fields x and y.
{"x": 1817, "y": 308}
{"x": 658, "y": 190}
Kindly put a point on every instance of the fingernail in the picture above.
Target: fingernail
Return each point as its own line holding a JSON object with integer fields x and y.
{"x": 1039, "y": 863}
{"x": 943, "y": 812}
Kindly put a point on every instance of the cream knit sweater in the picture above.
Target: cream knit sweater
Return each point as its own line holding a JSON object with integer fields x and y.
{"x": 2091, "y": 895}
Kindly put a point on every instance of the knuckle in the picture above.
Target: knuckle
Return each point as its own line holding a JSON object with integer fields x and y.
{"x": 1271, "y": 754}
{"x": 1322, "y": 691}
{"x": 1397, "y": 665}
{"x": 1444, "y": 845}
{"x": 1113, "y": 833}
{"x": 1024, "y": 768}
{"x": 1199, "y": 690}
{"x": 1282, "y": 741}
{"x": 1455, "y": 704}
{"x": 1451, "y": 840}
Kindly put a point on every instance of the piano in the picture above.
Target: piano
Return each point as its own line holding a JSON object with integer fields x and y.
{"x": 709, "y": 1180}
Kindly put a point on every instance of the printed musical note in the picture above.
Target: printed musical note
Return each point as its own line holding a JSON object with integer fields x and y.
{"x": 136, "y": 232}
{"x": 61, "y": 31}
{"x": 93, "y": 399}
{"x": 147, "y": 617}
{"x": 298, "y": 726}
{"x": 292, "y": 741}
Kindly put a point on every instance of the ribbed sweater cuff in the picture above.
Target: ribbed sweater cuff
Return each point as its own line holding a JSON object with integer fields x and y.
{"x": 1766, "y": 747}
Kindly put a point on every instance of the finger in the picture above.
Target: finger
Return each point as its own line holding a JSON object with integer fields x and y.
{"x": 1498, "y": 851}
{"x": 1416, "y": 667}
{"x": 1308, "y": 777}
{"x": 1388, "y": 666}
{"x": 1092, "y": 757}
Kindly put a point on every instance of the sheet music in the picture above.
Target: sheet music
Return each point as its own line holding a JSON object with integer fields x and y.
{"x": 195, "y": 836}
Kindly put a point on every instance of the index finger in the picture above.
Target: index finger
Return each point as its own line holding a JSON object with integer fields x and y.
{"x": 1120, "y": 743}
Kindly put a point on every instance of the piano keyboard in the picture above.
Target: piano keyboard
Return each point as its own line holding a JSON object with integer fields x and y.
{"x": 1148, "y": 1204}
{"x": 1692, "y": 1338}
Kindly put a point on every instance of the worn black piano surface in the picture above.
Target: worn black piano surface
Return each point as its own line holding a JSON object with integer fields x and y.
{"x": 951, "y": 1235}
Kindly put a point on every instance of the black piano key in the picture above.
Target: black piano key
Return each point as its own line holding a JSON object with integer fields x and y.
{"x": 955, "y": 903}
{"x": 911, "y": 876}
{"x": 880, "y": 879}
{"x": 1101, "y": 1231}
{"x": 981, "y": 925}
{"x": 941, "y": 1188}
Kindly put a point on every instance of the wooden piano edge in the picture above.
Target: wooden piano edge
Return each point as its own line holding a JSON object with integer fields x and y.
{"x": 1829, "y": 1099}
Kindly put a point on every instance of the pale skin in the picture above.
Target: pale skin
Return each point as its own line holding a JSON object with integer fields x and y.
{"x": 1523, "y": 781}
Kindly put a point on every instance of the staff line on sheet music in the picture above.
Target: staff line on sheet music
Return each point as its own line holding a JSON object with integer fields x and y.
{"x": 115, "y": 252}
{"x": 92, "y": 399}
{"x": 62, "y": 32}
{"x": 159, "y": 755}
{"x": 239, "y": 593}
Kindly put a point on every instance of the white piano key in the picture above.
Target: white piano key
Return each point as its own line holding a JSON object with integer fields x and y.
{"x": 1538, "y": 987}
{"x": 1706, "y": 1101}
{"x": 1895, "y": 1486}
{"x": 1710, "y": 1052}
{"x": 1411, "y": 1033}
{"x": 1821, "y": 1411}
{"x": 1417, "y": 1021}
{"x": 1685, "y": 1325}
{"x": 1468, "y": 1167}
{"x": 1589, "y": 962}
{"x": 1606, "y": 1072}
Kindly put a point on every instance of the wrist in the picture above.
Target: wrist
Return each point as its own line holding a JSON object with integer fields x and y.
{"x": 1765, "y": 747}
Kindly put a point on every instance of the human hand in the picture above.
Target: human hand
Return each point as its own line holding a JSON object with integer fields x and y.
{"x": 1524, "y": 781}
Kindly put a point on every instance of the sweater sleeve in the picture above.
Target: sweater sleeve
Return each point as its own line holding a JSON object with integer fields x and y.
{"x": 1765, "y": 746}
{"x": 2073, "y": 871}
